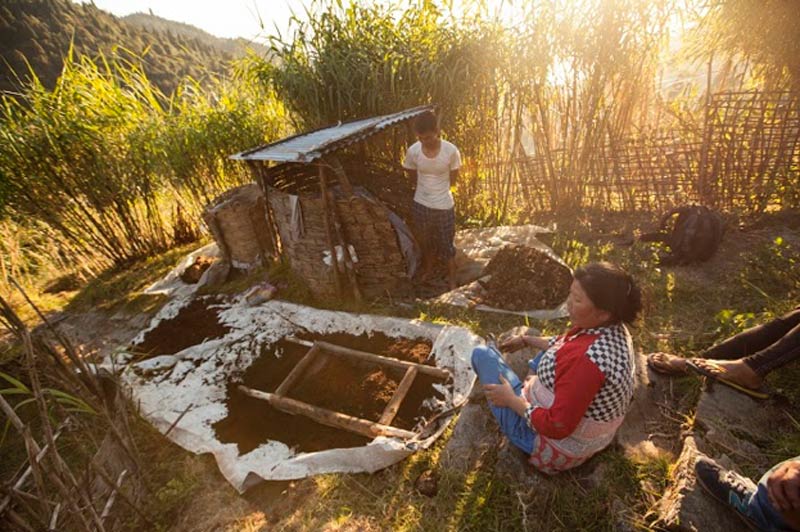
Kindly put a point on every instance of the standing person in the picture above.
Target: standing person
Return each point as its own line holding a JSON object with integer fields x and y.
{"x": 435, "y": 162}
{"x": 582, "y": 383}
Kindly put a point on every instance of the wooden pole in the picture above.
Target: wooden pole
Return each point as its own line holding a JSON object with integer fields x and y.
{"x": 703, "y": 185}
{"x": 297, "y": 371}
{"x": 391, "y": 409}
{"x": 347, "y": 188}
{"x": 327, "y": 417}
{"x": 349, "y": 264}
{"x": 377, "y": 359}
{"x": 329, "y": 230}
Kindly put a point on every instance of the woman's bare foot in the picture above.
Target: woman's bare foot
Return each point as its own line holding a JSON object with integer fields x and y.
{"x": 736, "y": 371}
{"x": 667, "y": 364}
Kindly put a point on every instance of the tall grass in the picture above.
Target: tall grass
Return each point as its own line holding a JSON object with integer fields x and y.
{"x": 352, "y": 60}
{"x": 558, "y": 82}
{"x": 114, "y": 166}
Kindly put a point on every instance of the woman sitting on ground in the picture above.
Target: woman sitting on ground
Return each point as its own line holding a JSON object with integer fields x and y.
{"x": 581, "y": 384}
{"x": 743, "y": 360}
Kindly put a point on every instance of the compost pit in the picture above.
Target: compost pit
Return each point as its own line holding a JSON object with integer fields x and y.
{"x": 523, "y": 278}
{"x": 334, "y": 382}
{"x": 194, "y": 323}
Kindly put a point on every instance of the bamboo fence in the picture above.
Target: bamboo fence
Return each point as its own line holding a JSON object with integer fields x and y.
{"x": 744, "y": 157}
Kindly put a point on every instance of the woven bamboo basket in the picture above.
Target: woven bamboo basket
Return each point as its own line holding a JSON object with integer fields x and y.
{"x": 238, "y": 221}
{"x": 380, "y": 268}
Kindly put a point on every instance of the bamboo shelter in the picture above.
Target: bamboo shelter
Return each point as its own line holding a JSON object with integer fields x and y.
{"x": 338, "y": 215}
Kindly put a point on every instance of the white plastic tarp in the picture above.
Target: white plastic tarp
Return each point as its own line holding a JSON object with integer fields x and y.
{"x": 185, "y": 394}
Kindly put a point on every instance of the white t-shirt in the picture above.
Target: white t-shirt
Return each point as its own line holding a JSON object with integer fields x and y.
{"x": 433, "y": 175}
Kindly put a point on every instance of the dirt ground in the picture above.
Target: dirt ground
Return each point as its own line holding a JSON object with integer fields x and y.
{"x": 194, "y": 323}
{"x": 524, "y": 278}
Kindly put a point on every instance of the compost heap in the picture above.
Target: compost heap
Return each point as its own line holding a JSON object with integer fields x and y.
{"x": 523, "y": 277}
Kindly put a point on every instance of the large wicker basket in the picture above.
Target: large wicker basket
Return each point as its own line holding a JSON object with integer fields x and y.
{"x": 238, "y": 221}
{"x": 380, "y": 269}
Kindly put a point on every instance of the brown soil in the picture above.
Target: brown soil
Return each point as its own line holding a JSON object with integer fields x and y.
{"x": 194, "y": 324}
{"x": 332, "y": 382}
{"x": 525, "y": 278}
{"x": 195, "y": 271}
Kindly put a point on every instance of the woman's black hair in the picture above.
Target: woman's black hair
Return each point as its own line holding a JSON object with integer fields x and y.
{"x": 611, "y": 289}
{"x": 425, "y": 123}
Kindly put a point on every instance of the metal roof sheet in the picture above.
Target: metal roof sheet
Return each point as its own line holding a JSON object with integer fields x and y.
{"x": 307, "y": 147}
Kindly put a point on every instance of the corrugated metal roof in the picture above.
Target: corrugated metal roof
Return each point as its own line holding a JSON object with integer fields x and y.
{"x": 307, "y": 147}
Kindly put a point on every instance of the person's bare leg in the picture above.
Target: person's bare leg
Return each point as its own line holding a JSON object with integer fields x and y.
{"x": 451, "y": 272}
{"x": 736, "y": 371}
{"x": 427, "y": 266}
{"x": 668, "y": 362}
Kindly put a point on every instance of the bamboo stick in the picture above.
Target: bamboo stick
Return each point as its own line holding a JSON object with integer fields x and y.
{"x": 391, "y": 409}
{"x": 297, "y": 371}
{"x": 372, "y": 357}
{"x": 34, "y": 450}
{"x": 329, "y": 231}
{"x": 19, "y": 521}
{"x": 54, "y": 517}
{"x": 113, "y": 495}
{"x": 347, "y": 188}
{"x": 27, "y": 473}
{"x": 99, "y": 470}
{"x": 327, "y": 417}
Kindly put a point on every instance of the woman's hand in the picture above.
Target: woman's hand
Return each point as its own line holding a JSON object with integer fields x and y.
{"x": 501, "y": 395}
{"x": 515, "y": 343}
{"x": 521, "y": 341}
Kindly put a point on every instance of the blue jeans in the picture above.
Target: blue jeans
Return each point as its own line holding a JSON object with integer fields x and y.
{"x": 489, "y": 365}
{"x": 760, "y": 510}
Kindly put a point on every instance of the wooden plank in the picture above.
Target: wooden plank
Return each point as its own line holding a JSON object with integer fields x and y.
{"x": 391, "y": 409}
{"x": 327, "y": 417}
{"x": 297, "y": 371}
{"x": 372, "y": 357}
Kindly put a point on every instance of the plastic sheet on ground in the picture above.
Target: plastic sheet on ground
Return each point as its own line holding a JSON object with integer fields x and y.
{"x": 475, "y": 248}
{"x": 184, "y": 394}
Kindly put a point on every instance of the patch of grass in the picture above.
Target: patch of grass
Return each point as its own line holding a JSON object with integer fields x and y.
{"x": 117, "y": 288}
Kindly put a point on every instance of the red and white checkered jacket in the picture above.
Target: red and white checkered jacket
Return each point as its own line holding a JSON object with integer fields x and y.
{"x": 579, "y": 396}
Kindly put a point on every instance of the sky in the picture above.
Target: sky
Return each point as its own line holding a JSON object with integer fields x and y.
{"x": 222, "y": 18}
{"x": 250, "y": 19}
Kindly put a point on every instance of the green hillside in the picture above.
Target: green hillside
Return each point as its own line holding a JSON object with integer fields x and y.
{"x": 236, "y": 47}
{"x": 39, "y": 32}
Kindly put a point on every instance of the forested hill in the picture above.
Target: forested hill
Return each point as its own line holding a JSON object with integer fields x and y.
{"x": 235, "y": 47}
{"x": 40, "y": 32}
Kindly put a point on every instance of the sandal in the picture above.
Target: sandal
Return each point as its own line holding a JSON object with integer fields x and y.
{"x": 659, "y": 362}
{"x": 760, "y": 394}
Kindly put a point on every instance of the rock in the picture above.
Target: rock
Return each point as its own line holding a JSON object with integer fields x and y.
{"x": 633, "y": 434}
{"x": 736, "y": 423}
{"x": 427, "y": 483}
{"x": 476, "y": 432}
{"x": 216, "y": 274}
{"x": 686, "y": 506}
{"x": 513, "y": 465}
